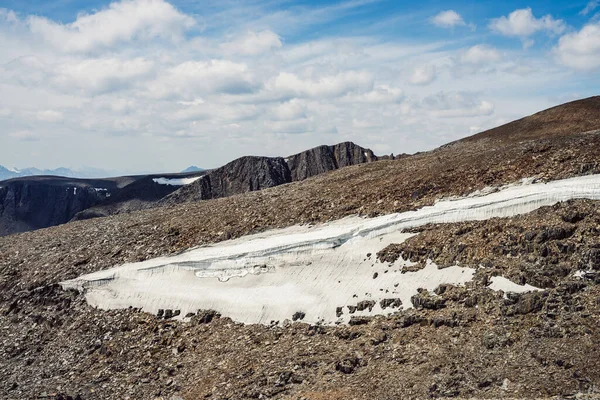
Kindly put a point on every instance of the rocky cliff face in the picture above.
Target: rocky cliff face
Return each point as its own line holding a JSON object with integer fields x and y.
{"x": 27, "y": 204}
{"x": 245, "y": 174}
{"x": 248, "y": 174}
{"x": 327, "y": 158}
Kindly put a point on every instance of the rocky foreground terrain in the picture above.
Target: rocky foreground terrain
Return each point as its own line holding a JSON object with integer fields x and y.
{"x": 465, "y": 342}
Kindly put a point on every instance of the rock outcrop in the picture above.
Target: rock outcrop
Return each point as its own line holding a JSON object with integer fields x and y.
{"x": 327, "y": 158}
{"x": 27, "y": 204}
{"x": 245, "y": 174}
{"x": 249, "y": 174}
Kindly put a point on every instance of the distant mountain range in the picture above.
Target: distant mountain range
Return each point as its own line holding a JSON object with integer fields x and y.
{"x": 192, "y": 168}
{"x": 9, "y": 173}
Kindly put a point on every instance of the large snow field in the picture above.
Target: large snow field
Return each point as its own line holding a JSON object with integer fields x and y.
{"x": 314, "y": 269}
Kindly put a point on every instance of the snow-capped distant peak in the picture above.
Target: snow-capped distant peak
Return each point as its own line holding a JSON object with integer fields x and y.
{"x": 15, "y": 170}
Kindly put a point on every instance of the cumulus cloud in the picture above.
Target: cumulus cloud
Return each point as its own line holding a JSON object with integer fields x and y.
{"x": 191, "y": 79}
{"x": 457, "y": 104}
{"x": 253, "y": 43}
{"x": 25, "y": 136}
{"x": 50, "y": 116}
{"x": 448, "y": 19}
{"x": 382, "y": 94}
{"x": 291, "y": 85}
{"x": 422, "y": 75}
{"x": 289, "y": 110}
{"x": 580, "y": 50}
{"x": 122, "y": 21}
{"x": 480, "y": 54}
{"x": 522, "y": 23}
{"x": 153, "y": 82}
{"x": 92, "y": 76}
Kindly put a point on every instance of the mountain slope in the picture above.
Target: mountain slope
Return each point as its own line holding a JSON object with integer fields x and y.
{"x": 461, "y": 341}
{"x": 576, "y": 116}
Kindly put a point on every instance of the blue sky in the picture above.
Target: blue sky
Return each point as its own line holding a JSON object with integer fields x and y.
{"x": 150, "y": 85}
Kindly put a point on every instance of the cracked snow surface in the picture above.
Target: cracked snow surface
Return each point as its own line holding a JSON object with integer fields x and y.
{"x": 318, "y": 273}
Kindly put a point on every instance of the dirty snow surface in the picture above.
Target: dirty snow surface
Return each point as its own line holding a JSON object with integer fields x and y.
{"x": 316, "y": 271}
{"x": 175, "y": 181}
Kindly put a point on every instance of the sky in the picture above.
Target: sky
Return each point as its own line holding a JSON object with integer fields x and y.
{"x": 136, "y": 86}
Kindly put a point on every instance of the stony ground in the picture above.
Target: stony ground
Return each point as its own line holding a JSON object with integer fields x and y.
{"x": 465, "y": 342}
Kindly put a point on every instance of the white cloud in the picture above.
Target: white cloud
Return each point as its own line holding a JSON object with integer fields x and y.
{"x": 480, "y": 54}
{"x": 99, "y": 75}
{"x": 580, "y": 50}
{"x": 448, "y": 19}
{"x": 289, "y": 84}
{"x": 382, "y": 94}
{"x": 522, "y": 23}
{"x": 190, "y": 79}
{"x": 591, "y": 6}
{"x": 289, "y": 110}
{"x": 8, "y": 16}
{"x": 422, "y": 75}
{"x": 175, "y": 94}
{"x": 253, "y": 43}
{"x": 25, "y": 136}
{"x": 122, "y": 21}
{"x": 457, "y": 104}
{"x": 50, "y": 116}
{"x": 298, "y": 126}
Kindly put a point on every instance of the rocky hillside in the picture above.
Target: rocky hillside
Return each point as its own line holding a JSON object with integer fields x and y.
{"x": 248, "y": 174}
{"x": 457, "y": 341}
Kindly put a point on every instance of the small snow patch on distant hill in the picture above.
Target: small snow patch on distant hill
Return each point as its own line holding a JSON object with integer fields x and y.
{"x": 175, "y": 181}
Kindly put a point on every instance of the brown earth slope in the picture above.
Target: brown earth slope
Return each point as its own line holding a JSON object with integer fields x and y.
{"x": 476, "y": 344}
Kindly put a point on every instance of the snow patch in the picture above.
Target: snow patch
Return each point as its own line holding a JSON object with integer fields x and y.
{"x": 313, "y": 269}
{"x": 506, "y": 285}
{"x": 175, "y": 181}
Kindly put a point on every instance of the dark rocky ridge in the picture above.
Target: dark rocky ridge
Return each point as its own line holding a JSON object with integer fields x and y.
{"x": 37, "y": 202}
{"x": 27, "y": 204}
{"x": 245, "y": 174}
{"x": 248, "y": 174}
{"x": 327, "y": 158}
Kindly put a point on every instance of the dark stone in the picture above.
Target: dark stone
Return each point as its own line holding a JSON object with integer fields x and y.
{"x": 363, "y": 305}
{"x": 348, "y": 365}
{"x": 206, "y": 316}
{"x": 529, "y": 302}
{"x": 359, "y": 320}
{"x": 425, "y": 300}
{"x": 375, "y": 275}
{"x": 160, "y": 313}
{"x": 168, "y": 314}
{"x": 298, "y": 315}
{"x": 392, "y": 303}
{"x": 339, "y": 311}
